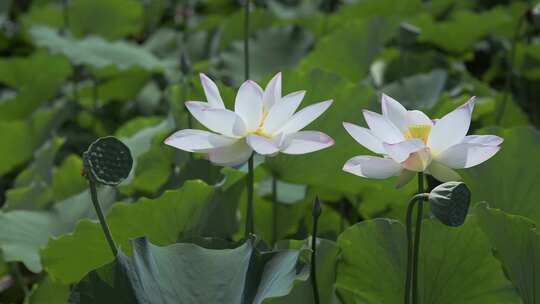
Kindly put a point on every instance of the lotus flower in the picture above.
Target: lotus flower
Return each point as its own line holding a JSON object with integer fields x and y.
{"x": 410, "y": 142}
{"x": 262, "y": 121}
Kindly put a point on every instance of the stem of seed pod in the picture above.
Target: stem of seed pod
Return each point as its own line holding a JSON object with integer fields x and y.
{"x": 274, "y": 209}
{"x": 316, "y": 212}
{"x": 419, "y": 215}
{"x": 410, "y": 209}
{"x": 101, "y": 217}
{"x": 249, "y": 210}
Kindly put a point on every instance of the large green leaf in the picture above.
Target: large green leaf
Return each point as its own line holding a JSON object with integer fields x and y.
{"x": 95, "y": 51}
{"x": 419, "y": 91}
{"x": 509, "y": 181}
{"x": 271, "y": 50}
{"x": 32, "y": 89}
{"x": 163, "y": 220}
{"x": 463, "y": 29}
{"x": 23, "y": 232}
{"x": 117, "y": 18}
{"x": 194, "y": 209}
{"x": 32, "y": 186}
{"x": 22, "y": 137}
{"x": 517, "y": 245}
{"x": 48, "y": 291}
{"x": 456, "y": 265}
{"x": 352, "y": 58}
{"x": 327, "y": 257}
{"x": 192, "y": 274}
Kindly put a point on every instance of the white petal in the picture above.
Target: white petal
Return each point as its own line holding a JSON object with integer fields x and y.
{"x": 306, "y": 142}
{"x": 382, "y": 128}
{"x": 442, "y": 173}
{"x": 404, "y": 178}
{"x": 416, "y": 117}
{"x": 394, "y": 111}
{"x": 372, "y": 167}
{"x": 272, "y": 92}
{"x": 231, "y": 155}
{"x": 402, "y": 150}
{"x": 197, "y": 140}
{"x": 305, "y": 116}
{"x": 364, "y": 137}
{"x": 466, "y": 155}
{"x": 418, "y": 161}
{"x": 262, "y": 145}
{"x": 452, "y": 128}
{"x": 488, "y": 140}
{"x": 248, "y": 104}
{"x": 212, "y": 92}
{"x": 282, "y": 111}
{"x": 221, "y": 121}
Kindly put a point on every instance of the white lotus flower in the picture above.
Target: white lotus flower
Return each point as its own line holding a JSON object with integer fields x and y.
{"x": 262, "y": 121}
{"x": 411, "y": 142}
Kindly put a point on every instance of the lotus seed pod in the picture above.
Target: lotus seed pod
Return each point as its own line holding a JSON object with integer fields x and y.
{"x": 449, "y": 203}
{"x": 108, "y": 161}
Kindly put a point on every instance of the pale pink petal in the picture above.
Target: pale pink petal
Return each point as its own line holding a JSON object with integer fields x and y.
{"x": 304, "y": 117}
{"x": 394, "y": 111}
{"x": 418, "y": 161}
{"x": 272, "y": 92}
{"x": 365, "y": 137}
{"x": 212, "y": 92}
{"x": 402, "y": 150}
{"x": 282, "y": 111}
{"x": 248, "y": 104}
{"x": 488, "y": 140}
{"x": 372, "y": 167}
{"x": 306, "y": 142}
{"x": 262, "y": 145}
{"x": 442, "y": 173}
{"x": 221, "y": 121}
{"x": 197, "y": 140}
{"x": 383, "y": 128}
{"x": 452, "y": 128}
{"x": 415, "y": 118}
{"x": 231, "y": 155}
{"x": 466, "y": 155}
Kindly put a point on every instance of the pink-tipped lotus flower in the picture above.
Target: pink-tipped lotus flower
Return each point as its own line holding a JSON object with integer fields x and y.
{"x": 410, "y": 142}
{"x": 262, "y": 121}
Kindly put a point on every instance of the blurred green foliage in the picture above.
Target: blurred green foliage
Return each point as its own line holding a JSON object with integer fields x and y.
{"x": 72, "y": 71}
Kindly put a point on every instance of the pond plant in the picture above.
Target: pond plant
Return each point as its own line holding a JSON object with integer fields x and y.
{"x": 200, "y": 151}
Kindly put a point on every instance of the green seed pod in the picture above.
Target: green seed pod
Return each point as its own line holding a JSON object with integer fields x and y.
{"x": 107, "y": 161}
{"x": 449, "y": 203}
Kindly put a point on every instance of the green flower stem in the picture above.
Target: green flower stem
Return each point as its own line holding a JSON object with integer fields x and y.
{"x": 249, "y": 210}
{"x": 246, "y": 39}
{"x": 313, "y": 269}
{"x": 510, "y": 71}
{"x": 419, "y": 215}
{"x": 410, "y": 208}
{"x": 65, "y": 15}
{"x": 274, "y": 209}
{"x": 101, "y": 217}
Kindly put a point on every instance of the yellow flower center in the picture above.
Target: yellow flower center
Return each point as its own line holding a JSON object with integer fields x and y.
{"x": 418, "y": 131}
{"x": 259, "y": 131}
